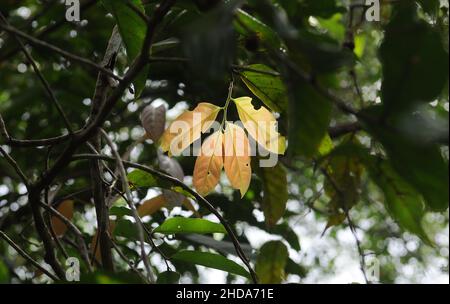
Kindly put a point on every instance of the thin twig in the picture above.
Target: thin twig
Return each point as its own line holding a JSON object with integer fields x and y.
{"x": 81, "y": 244}
{"x": 27, "y": 257}
{"x": 53, "y": 48}
{"x": 16, "y": 167}
{"x": 130, "y": 264}
{"x": 126, "y": 188}
{"x": 198, "y": 197}
{"x": 41, "y": 77}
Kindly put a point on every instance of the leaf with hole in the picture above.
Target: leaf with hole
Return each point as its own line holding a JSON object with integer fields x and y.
{"x": 237, "y": 158}
{"x": 209, "y": 164}
{"x": 261, "y": 125}
{"x": 189, "y": 225}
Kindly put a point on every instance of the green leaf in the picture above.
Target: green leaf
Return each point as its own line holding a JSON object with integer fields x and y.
{"x": 133, "y": 30}
{"x": 403, "y": 203}
{"x": 189, "y": 225}
{"x": 343, "y": 183}
{"x": 421, "y": 165}
{"x": 309, "y": 118}
{"x": 264, "y": 33}
{"x": 294, "y": 268}
{"x": 168, "y": 277}
{"x": 271, "y": 262}
{"x": 141, "y": 179}
{"x": 268, "y": 88}
{"x": 430, "y": 6}
{"x": 210, "y": 260}
{"x": 120, "y": 211}
{"x": 320, "y": 53}
{"x": 103, "y": 277}
{"x": 275, "y": 193}
{"x": 288, "y": 234}
{"x": 127, "y": 229}
{"x": 415, "y": 63}
{"x": 4, "y": 273}
{"x": 322, "y": 8}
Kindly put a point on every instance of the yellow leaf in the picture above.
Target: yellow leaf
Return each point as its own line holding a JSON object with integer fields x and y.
{"x": 261, "y": 125}
{"x": 237, "y": 158}
{"x": 209, "y": 164}
{"x": 150, "y": 206}
{"x": 66, "y": 209}
{"x": 188, "y": 128}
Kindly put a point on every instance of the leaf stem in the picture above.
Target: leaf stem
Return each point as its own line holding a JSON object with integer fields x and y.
{"x": 227, "y": 104}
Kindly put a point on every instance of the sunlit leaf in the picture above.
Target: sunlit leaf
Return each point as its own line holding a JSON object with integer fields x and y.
{"x": 188, "y": 128}
{"x": 261, "y": 125}
{"x": 269, "y": 88}
{"x": 237, "y": 158}
{"x": 209, "y": 164}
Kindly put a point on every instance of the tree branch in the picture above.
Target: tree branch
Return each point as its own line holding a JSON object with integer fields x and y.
{"x": 41, "y": 77}
{"x": 27, "y": 257}
{"x": 197, "y": 196}
{"x": 55, "y": 49}
{"x": 129, "y": 196}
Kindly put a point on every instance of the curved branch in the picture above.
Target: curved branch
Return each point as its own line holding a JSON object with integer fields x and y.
{"x": 26, "y": 256}
{"x": 188, "y": 189}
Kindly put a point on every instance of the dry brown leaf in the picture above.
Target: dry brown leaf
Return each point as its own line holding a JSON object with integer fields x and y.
{"x": 66, "y": 209}
{"x": 151, "y": 206}
{"x": 154, "y": 121}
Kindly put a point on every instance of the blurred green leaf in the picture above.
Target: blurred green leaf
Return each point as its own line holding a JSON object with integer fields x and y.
{"x": 309, "y": 118}
{"x": 430, "y": 6}
{"x": 288, "y": 234}
{"x": 275, "y": 193}
{"x": 133, "y": 29}
{"x": 415, "y": 63}
{"x": 120, "y": 211}
{"x": 268, "y": 88}
{"x": 271, "y": 262}
{"x": 265, "y": 34}
{"x": 403, "y": 203}
{"x": 142, "y": 179}
{"x": 420, "y": 164}
{"x": 4, "y": 273}
{"x": 103, "y": 277}
{"x": 210, "y": 260}
{"x": 322, "y": 8}
{"x": 127, "y": 229}
{"x": 168, "y": 277}
{"x": 189, "y": 225}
